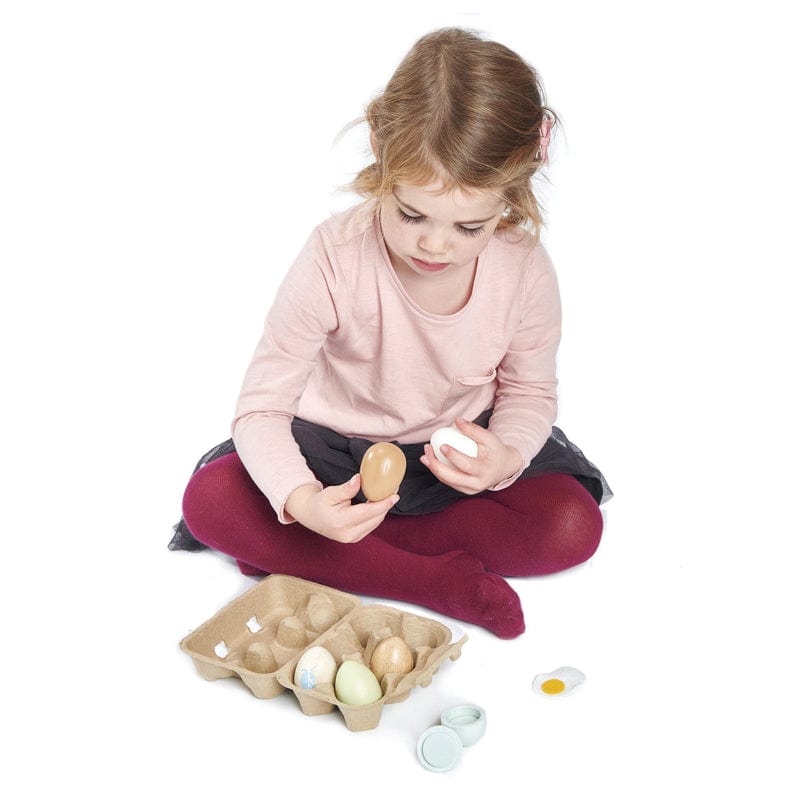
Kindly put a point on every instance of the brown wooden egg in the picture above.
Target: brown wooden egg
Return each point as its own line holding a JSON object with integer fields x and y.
{"x": 391, "y": 655}
{"x": 382, "y": 470}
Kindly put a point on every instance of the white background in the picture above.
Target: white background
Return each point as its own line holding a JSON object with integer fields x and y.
{"x": 161, "y": 163}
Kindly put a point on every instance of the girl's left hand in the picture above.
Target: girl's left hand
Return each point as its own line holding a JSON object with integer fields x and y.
{"x": 495, "y": 461}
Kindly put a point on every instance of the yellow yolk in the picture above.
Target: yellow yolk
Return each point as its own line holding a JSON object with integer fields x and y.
{"x": 553, "y": 686}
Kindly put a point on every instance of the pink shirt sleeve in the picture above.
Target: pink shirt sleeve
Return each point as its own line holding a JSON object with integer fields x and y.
{"x": 303, "y": 314}
{"x": 526, "y": 402}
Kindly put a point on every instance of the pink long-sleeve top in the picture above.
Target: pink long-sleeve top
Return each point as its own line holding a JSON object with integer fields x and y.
{"x": 344, "y": 346}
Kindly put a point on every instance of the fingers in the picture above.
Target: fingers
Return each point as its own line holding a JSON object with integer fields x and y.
{"x": 346, "y": 491}
{"x": 470, "y": 474}
{"x": 479, "y": 435}
{"x": 352, "y": 522}
{"x": 463, "y": 462}
{"x": 359, "y": 532}
{"x": 460, "y": 476}
{"x": 360, "y": 520}
{"x": 458, "y": 460}
{"x": 369, "y": 511}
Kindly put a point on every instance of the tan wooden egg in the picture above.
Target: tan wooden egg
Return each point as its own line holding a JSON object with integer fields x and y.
{"x": 382, "y": 470}
{"x": 391, "y": 655}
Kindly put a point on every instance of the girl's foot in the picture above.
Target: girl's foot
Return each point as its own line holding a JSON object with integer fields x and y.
{"x": 483, "y": 598}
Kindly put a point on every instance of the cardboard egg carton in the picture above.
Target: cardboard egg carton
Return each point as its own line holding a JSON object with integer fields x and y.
{"x": 260, "y": 637}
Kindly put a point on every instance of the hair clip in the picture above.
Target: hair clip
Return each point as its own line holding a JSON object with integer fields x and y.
{"x": 544, "y": 140}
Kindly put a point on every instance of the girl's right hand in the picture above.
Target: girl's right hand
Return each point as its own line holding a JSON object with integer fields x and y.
{"x": 331, "y": 513}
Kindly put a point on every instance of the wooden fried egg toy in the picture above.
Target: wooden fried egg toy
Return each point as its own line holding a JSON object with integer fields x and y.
{"x": 559, "y": 682}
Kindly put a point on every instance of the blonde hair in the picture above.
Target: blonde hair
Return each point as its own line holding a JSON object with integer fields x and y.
{"x": 463, "y": 111}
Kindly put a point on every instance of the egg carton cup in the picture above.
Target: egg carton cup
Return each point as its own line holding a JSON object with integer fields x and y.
{"x": 260, "y": 636}
{"x": 257, "y": 633}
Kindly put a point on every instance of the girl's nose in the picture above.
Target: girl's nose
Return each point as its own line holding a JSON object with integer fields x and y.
{"x": 433, "y": 244}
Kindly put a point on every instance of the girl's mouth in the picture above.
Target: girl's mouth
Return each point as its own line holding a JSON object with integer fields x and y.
{"x": 429, "y": 266}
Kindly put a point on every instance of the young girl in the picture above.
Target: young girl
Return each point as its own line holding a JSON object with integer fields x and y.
{"x": 429, "y": 304}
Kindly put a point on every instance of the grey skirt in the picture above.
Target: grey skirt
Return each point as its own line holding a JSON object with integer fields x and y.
{"x": 334, "y": 459}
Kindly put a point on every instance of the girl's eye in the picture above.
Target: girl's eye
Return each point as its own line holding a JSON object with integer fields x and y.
{"x": 407, "y": 217}
{"x": 413, "y": 220}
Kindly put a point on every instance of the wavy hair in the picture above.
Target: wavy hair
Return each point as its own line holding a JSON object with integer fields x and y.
{"x": 463, "y": 111}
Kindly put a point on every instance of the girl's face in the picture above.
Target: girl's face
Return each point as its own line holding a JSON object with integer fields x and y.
{"x": 431, "y": 233}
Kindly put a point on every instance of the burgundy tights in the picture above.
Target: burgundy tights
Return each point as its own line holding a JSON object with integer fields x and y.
{"x": 449, "y": 561}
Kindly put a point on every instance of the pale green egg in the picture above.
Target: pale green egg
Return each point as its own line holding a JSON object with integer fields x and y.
{"x": 356, "y": 685}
